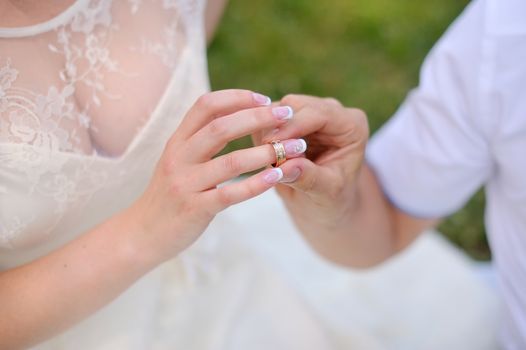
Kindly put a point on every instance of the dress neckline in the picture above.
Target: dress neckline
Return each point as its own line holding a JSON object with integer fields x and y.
{"x": 138, "y": 138}
{"x": 42, "y": 27}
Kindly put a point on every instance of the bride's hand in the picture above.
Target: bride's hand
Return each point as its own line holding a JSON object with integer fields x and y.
{"x": 182, "y": 197}
{"x": 317, "y": 189}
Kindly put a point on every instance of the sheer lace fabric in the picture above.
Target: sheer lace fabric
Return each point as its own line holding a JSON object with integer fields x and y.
{"x": 79, "y": 93}
{"x": 100, "y": 75}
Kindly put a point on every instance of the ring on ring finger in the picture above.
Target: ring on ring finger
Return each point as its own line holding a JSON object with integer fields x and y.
{"x": 279, "y": 149}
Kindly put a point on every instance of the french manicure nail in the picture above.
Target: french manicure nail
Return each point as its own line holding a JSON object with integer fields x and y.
{"x": 261, "y": 100}
{"x": 273, "y": 176}
{"x": 283, "y": 112}
{"x": 295, "y": 147}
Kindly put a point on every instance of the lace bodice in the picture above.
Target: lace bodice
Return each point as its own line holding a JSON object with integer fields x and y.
{"x": 100, "y": 74}
{"x": 85, "y": 98}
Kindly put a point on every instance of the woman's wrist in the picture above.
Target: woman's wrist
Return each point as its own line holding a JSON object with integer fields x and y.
{"x": 134, "y": 247}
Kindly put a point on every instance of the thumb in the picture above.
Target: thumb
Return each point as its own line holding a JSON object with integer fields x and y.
{"x": 303, "y": 175}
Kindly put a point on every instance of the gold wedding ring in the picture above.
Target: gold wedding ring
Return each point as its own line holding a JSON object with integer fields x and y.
{"x": 281, "y": 157}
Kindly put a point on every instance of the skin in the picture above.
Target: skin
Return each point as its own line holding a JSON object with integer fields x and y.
{"x": 180, "y": 201}
{"x": 213, "y": 13}
{"x": 334, "y": 199}
{"x": 18, "y": 13}
{"x": 333, "y": 196}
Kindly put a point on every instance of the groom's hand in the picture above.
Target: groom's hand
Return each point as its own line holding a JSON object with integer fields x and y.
{"x": 334, "y": 199}
{"x": 320, "y": 186}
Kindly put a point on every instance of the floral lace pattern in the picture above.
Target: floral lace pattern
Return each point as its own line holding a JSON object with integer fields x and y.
{"x": 39, "y": 127}
{"x": 50, "y": 118}
{"x": 84, "y": 43}
{"x": 166, "y": 49}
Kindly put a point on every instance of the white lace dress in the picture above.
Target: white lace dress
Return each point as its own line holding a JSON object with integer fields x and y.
{"x": 87, "y": 100}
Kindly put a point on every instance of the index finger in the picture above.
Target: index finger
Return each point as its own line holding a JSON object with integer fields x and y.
{"x": 324, "y": 116}
{"x": 218, "y": 104}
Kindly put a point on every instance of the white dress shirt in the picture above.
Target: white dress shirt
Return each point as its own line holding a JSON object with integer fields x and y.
{"x": 464, "y": 127}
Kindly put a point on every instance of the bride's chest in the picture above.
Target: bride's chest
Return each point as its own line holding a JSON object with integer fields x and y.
{"x": 122, "y": 74}
{"x": 92, "y": 85}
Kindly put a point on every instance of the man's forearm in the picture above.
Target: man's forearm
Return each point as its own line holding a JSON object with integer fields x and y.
{"x": 360, "y": 231}
{"x": 362, "y": 228}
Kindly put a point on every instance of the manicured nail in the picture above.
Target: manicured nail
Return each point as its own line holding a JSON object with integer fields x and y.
{"x": 273, "y": 176}
{"x": 295, "y": 147}
{"x": 283, "y": 112}
{"x": 292, "y": 176}
{"x": 261, "y": 100}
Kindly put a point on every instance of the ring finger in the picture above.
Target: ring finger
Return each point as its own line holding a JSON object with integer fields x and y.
{"x": 231, "y": 165}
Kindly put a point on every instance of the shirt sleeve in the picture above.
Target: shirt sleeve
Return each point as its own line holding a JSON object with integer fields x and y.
{"x": 434, "y": 154}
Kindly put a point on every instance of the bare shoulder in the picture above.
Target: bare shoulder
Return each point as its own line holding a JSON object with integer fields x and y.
{"x": 213, "y": 13}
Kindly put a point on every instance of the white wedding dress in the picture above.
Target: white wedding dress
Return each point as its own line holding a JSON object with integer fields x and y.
{"x": 87, "y": 101}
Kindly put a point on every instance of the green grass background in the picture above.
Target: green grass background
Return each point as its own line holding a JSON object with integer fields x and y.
{"x": 366, "y": 53}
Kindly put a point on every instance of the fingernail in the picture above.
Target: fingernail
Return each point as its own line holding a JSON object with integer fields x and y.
{"x": 283, "y": 112}
{"x": 295, "y": 147}
{"x": 261, "y": 100}
{"x": 292, "y": 176}
{"x": 273, "y": 176}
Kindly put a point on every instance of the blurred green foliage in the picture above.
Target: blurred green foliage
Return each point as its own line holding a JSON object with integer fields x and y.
{"x": 366, "y": 53}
